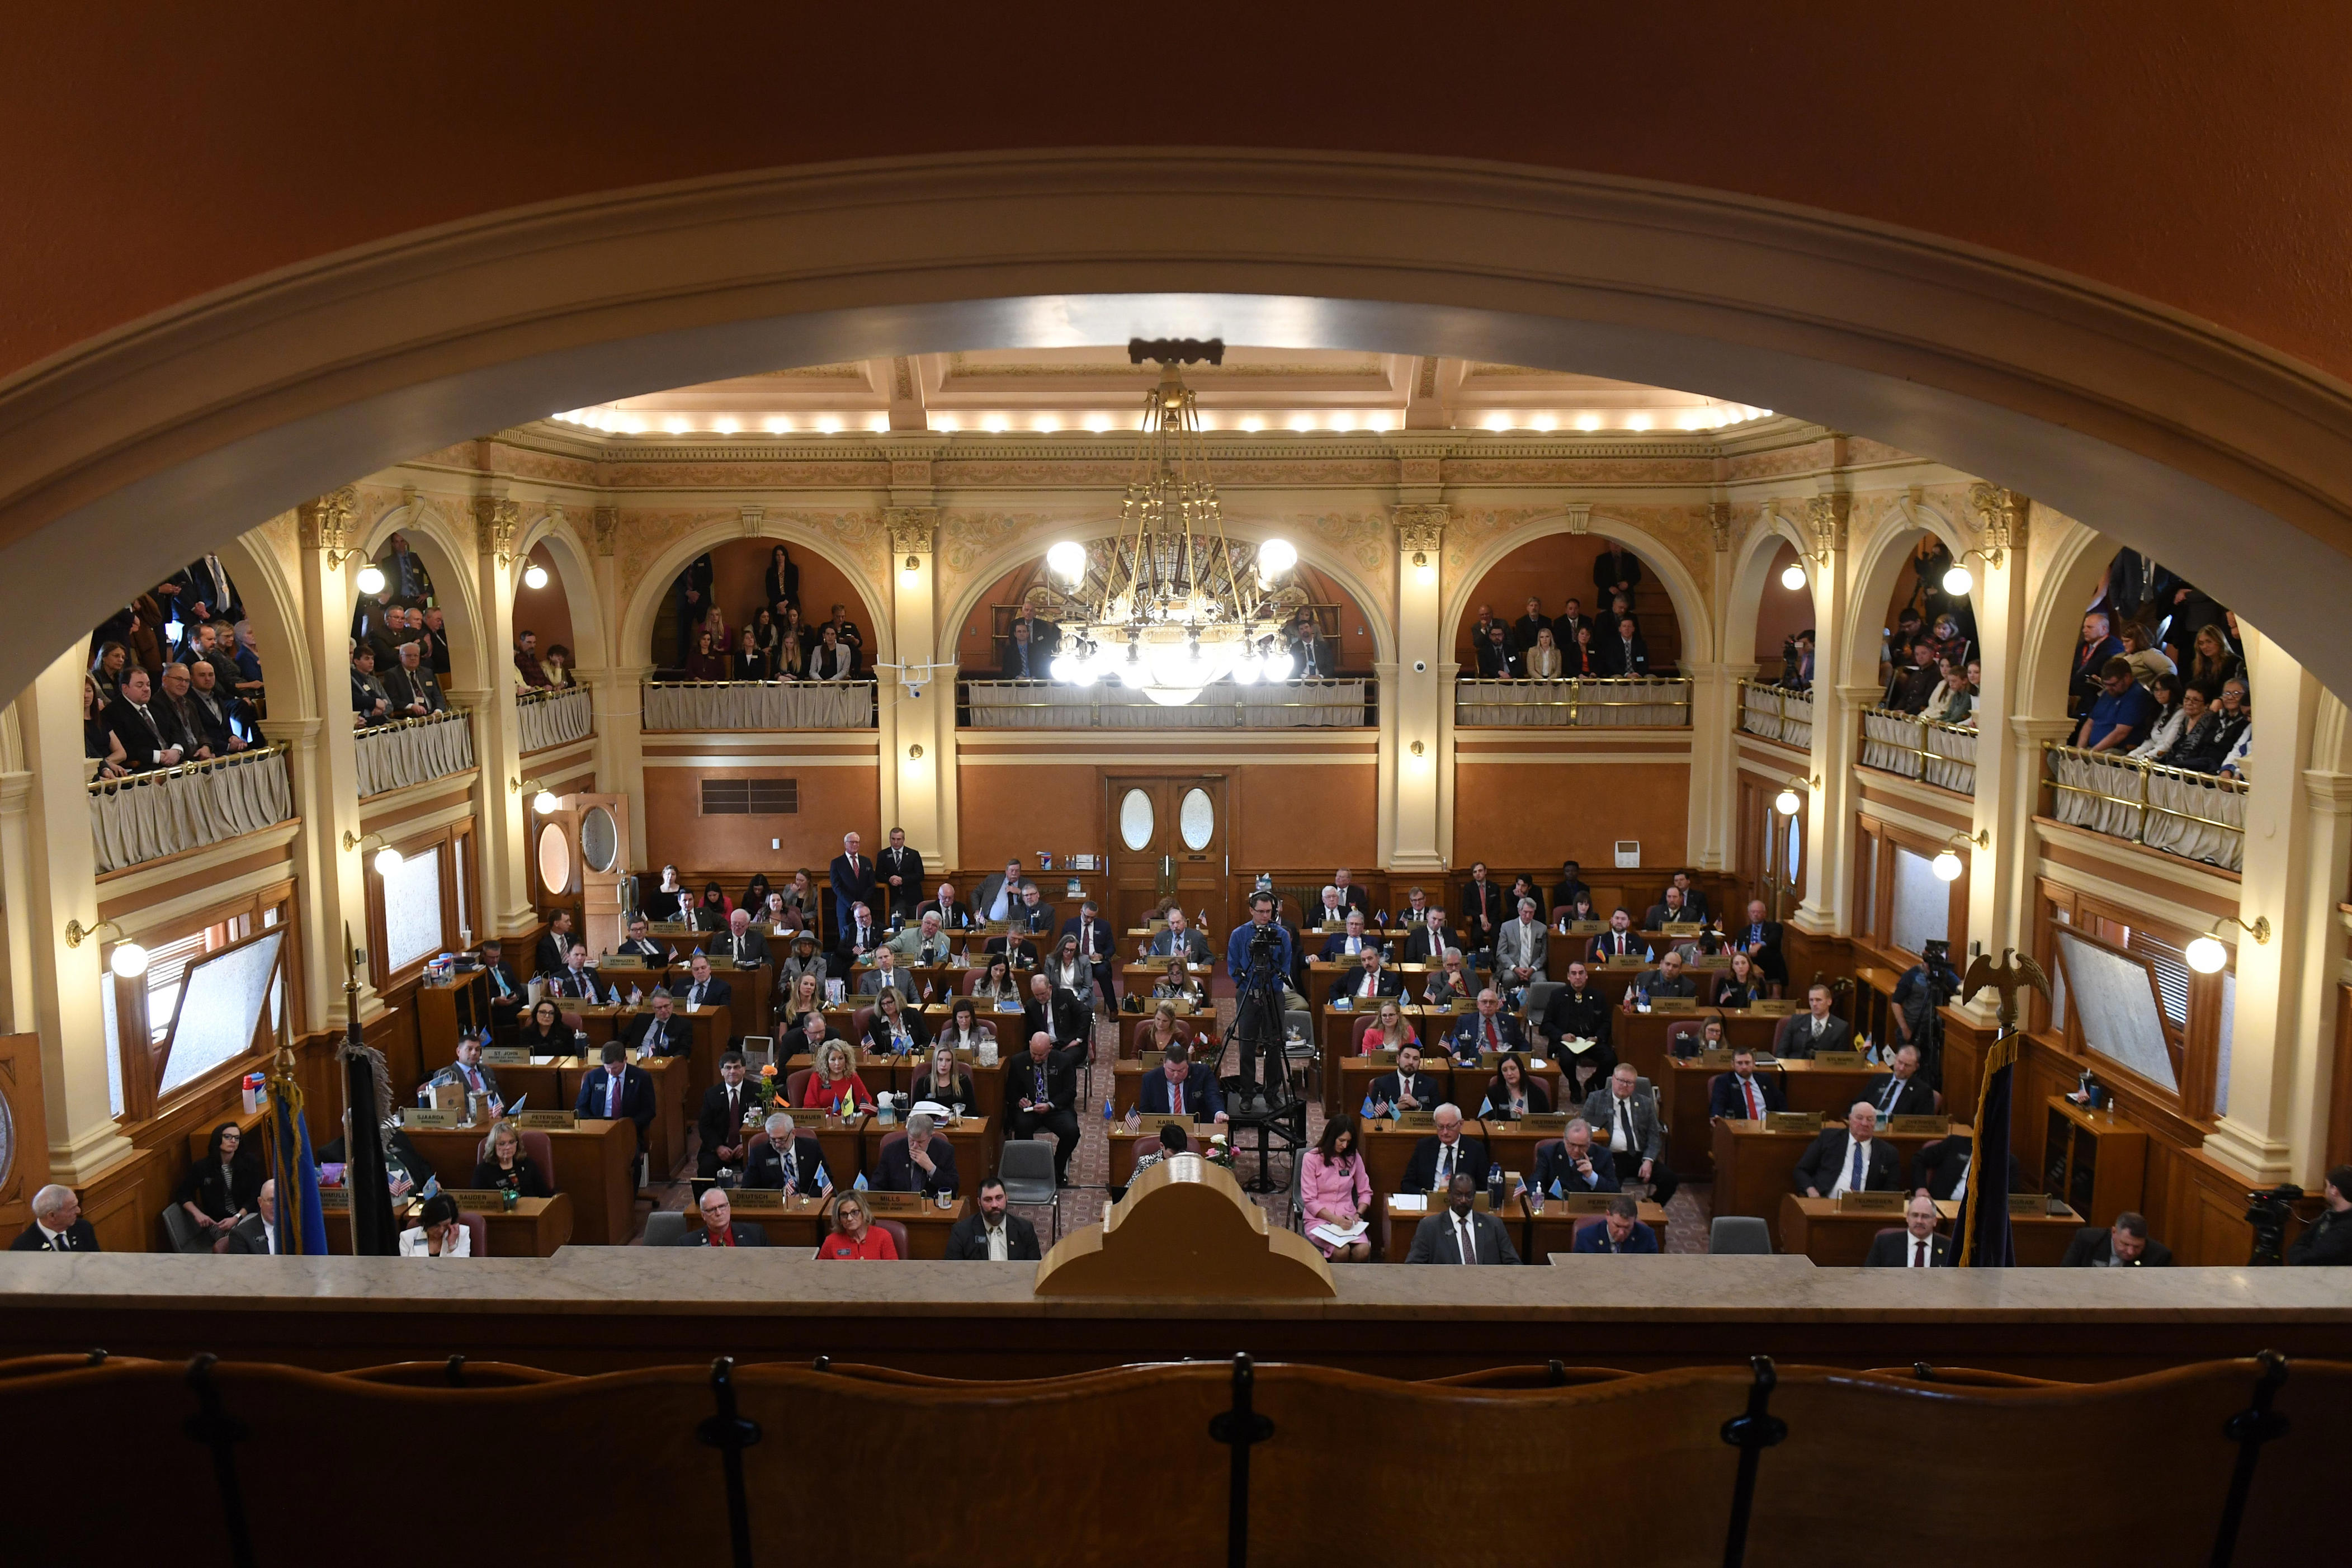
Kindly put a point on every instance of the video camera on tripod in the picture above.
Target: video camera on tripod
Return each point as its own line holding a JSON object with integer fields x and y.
{"x": 2268, "y": 1211}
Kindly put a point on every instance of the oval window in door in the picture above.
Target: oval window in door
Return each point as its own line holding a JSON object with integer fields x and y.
{"x": 554, "y": 859}
{"x": 1135, "y": 822}
{"x": 600, "y": 840}
{"x": 1196, "y": 819}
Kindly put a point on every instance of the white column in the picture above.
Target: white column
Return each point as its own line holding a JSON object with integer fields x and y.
{"x": 326, "y": 776}
{"x": 1829, "y": 802}
{"x": 918, "y": 738}
{"x": 2008, "y": 782}
{"x": 17, "y": 891}
{"x": 1714, "y": 726}
{"x": 1417, "y": 704}
{"x": 499, "y": 804}
{"x": 616, "y": 702}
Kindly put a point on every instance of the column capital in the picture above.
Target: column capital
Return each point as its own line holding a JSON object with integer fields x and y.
{"x": 324, "y": 523}
{"x": 911, "y": 527}
{"x": 2000, "y": 516}
{"x": 291, "y": 731}
{"x": 1421, "y": 526}
{"x": 607, "y": 522}
{"x": 2328, "y": 792}
{"x": 1857, "y": 698}
{"x": 1826, "y": 516}
{"x": 497, "y": 520}
{"x": 1718, "y": 522}
{"x": 2034, "y": 730}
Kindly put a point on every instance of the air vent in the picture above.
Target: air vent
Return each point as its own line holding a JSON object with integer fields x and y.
{"x": 751, "y": 797}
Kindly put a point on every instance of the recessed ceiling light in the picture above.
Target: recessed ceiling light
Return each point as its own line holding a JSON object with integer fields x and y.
{"x": 829, "y": 424}
{"x": 1546, "y": 422}
{"x": 1588, "y": 421}
{"x": 724, "y": 426}
{"x": 1499, "y": 422}
{"x": 1046, "y": 423}
{"x": 1097, "y": 422}
{"x": 777, "y": 425}
{"x": 996, "y": 424}
{"x": 945, "y": 424}
{"x": 1253, "y": 424}
{"x": 675, "y": 426}
{"x": 1638, "y": 422}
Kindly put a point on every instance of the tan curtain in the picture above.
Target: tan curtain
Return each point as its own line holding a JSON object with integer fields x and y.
{"x": 761, "y": 705}
{"x": 150, "y": 815}
{"x": 1663, "y": 702}
{"x": 394, "y": 756}
{"x": 1108, "y": 705}
{"x": 551, "y": 720}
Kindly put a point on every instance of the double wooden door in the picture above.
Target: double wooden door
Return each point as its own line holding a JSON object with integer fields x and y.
{"x": 1168, "y": 837}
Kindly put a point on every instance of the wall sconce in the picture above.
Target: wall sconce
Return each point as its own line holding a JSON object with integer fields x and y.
{"x": 1792, "y": 576}
{"x": 128, "y": 960}
{"x": 1959, "y": 580}
{"x": 387, "y": 859}
{"x": 915, "y": 753}
{"x": 371, "y": 578}
{"x": 1423, "y": 566}
{"x": 911, "y": 572}
{"x": 534, "y": 576}
{"x": 1786, "y": 802}
{"x": 1946, "y": 865}
{"x": 541, "y": 803}
{"x": 2207, "y": 956}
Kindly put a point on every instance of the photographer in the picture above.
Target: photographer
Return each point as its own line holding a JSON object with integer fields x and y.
{"x": 2328, "y": 1239}
{"x": 1259, "y": 958}
{"x": 1924, "y": 988}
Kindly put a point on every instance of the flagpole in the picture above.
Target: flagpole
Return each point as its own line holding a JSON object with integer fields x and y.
{"x": 1988, "y": 1168}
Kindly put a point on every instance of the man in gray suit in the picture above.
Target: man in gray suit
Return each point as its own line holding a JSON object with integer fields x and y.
{"x": 1180, "y": 937}
{"x": 886, "y": 974}
{"x": 1637, "y": 1139}
{"x": 1814, "y": 1029}
{"x": 747, "y": 947}
{"x": 1441, "y": 1236}
{"x": 258, "y": 1232}
{"x": 1000, "y": 896}
{"x": 1521, "y": 949}
{"x": 924, "y": 943}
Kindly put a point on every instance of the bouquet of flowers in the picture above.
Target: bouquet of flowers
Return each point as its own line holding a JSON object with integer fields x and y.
{"x": 1219, "y": 1152}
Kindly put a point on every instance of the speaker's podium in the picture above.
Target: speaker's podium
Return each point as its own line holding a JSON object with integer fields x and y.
{"x": 1185, "y": 1229}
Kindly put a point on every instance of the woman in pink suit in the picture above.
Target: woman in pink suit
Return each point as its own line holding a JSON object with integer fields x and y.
{"x": 1335, "y": 1191}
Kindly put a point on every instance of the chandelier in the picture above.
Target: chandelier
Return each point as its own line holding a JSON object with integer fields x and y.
{"x": 1175, "y": 608}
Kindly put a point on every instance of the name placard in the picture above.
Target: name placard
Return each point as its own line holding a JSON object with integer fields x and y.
{"x": 1715, "y": 1057}
{"x": 475, "y": 1198}
{"x": 548, "y": 1121}
{"x": 1151, "y": 1125}
{"x": 892, "y": 1203}
{"x": 418, "y": 1116}
{"x": 2034, "y": 1206}
{"x": 338, "y": 1199}
{"x": 1769, "y": 1007}
{"x": 1584, "y": 1202}
{"x": 1673, "y": 1004}
{"x": 506, "y": 1056}
{"x": 1385, "y": 1058}
{"x": 1933, "y": 1126}
{"x": 1586, "y": 928}
{"x": 1554, "y": 1123}
{"x": 1838, "y": 1059}
{"x": 1681, "y": 928}
{"x": 1416, "y": 1118}
{"x": 1871, "y": 1202}
{"x": 1625, "y": 961}
{"x": 1792, "y": 1121}
{"x": 768, "y": 1198}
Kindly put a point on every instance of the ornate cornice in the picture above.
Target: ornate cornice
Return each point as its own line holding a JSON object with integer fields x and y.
{"x": 608, "y": 529}
{"x": 1826, "y": 517}
{"x": 911, "y": 529}
{"x": 1718, "y": 520}
{"x": 325, "y": 523}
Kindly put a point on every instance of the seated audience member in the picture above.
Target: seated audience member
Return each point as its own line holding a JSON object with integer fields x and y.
{"x": 1522, "y": 948}
{"x": 708, "y": 662}
{"x": 1687, "y": 1041}
{"x": 1426, "y": 936}
{"x": 2237, "y": 734}
{"x": 1570, "y": 1164}
{"x": 1953, "y": 701}
{"x": 554, "y": 945}
{"x": 2120, "y": 716}
{"x": 1543, "y": 657}
{"x": 1848, "y": 1159}
{"x": 439, "y": 1233}
{"x": 1637, "y": 1138}
{"x": 371, "y": 703}
{"x": 1941, "y": 1169}
{"x": 1179, "y": 941}
{"x": 468, "y": 1070}
{"x": 659, "y": 1031}
{"x": 1072, "y": 974}
{"x": 2325, "y": 1242}
{"x": 992, "y": 1233}
{"x": 801, "y": 1017}
{"x": 1040, "y": 1094}
{"x": 702, "y": 989}
{"x": 1901, "y": 1091}
{"x": 945, "y": 1082}
{"x": 1034, "y": 914}
{"x": 710, "y": 911}
{"x": 747, "y": 948}
{"x": 1618, "y": 941}
{"x": 719, "y": 1124}
{"x": 576, "y": 981}
{"x": 2149, "y": 663}
{"x": 620, "y": 1091}
{"x": 131, "y": 719}
{"x": 2123, "y": 1244}
{"x": 1672, "y": 908}
{"x": 1497, "y": 659}
{"x": 1335, "y": 1191}
{"x": 1814, "y": 1029}
{"x": 1916, "y": 1244}
{"x": 1743, "y": 985}
{"x": 1513, "y": 1094}
{"x": 58, "y": 1225}
{"x": 1460, "y": 1234}
{"x": 1181, "y": 985}
{"x": 997, "y": 985}
{"x": 1366, "y": 983}
{"x": 886, "y": 976}
{"x": 719, "y": 1225}
{"x": 1405, "y": 1088}
{"x": 2211, "y": 659}
{"x": 1389, "y": 1032}
{"x": 99, "y": 743}
{"x": 410, "y": 685}
{"x": 544, "y": 1032}
{"x": 804, "y": 959}
{"x": 963, "y": 1030}
{"x": 1450, "y": 981}
{"x": 924, "y": 1161}
{"x": 751, "y": 661}
{"x": 506, "y": 1168}
{"x": 1577, "y": 1010}
{"x": 1487, "y": 1029}
{"x": 219, "y": 1190}
{"x": 639, "y": 943}
{"x": 1054, "y": 1014}
{"x": 833, "y": 1085}
{"x": 1743, "y": 1094}
{"x": 1915, "y": 674}
{"x": 218, "y": 710}
{"x": 854, "y": 1234}
{"x": 1350, "y": 940}
{"x": 1444, "y": 1154}
{"x": 1182, "y": 1086}
{"x": 790, "y": 1161}
{"x": 1667, "y": 979}
{"x": 1620, "y": 1230}
{"x": 2172, "y": 719}
{"x": 924, "y": 942}
{"x": 1624, "y": 652}
{"x": 1017, "y": 951}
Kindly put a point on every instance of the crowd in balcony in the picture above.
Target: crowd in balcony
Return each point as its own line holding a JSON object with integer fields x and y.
{"x": 172, "y": 677}
{"x": 400, "y": 646}
{"x": 1569, "y": 646}
{"x": 770, "y": 641}
{"x": 2157, "y": 675}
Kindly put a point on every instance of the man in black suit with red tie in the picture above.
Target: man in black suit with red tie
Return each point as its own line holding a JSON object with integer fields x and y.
{"x": 720, "y": 1123}
{"x": 1481, "y": 910}
{"x": 1916, "y": 1244}
{"x": 853, "y": 880}
{"x": 617, "y": 1091}
{"x": 1618, "y": 941}
{"x": 1743, "y": 1094}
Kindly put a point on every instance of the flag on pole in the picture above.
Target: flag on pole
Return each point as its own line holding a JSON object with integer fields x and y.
{"x": 302, "y": 1226}
{"x": 1985, "y": 1240}
{"x": 366, "y": 1099}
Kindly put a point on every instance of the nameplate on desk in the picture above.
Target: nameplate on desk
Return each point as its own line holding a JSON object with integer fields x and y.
{"x": 1932, "y": 1126}
{"x": 1584, "y": 1202}
{"x": 1871, "y": 1202}
{"x": 1673, "y": 1004}
{"x": 1152, "y": 1124}
{"x": 506, "y": 1056}
{"x": 1412, "y": 1119}
{"x": 1715, "y": 1057}
{"x": 893, "y": 1203}
{"x": 1556, "y": 1122}
{"x": 620, "y": 961}
{"x": 768, "y": 1198}
{"x": 418, "y": 1116}
{"x": 1625, "y": 961}
{"x": 2031, "y": 1206}
{"x": 1379, "y": 1059}
{"x": 1838, "y": 1059}
{"x": 476, "y": 1199}
{"x": 1792, "y": 1121}
{"x": 1585, "y": 928}
{"x": 334, "y": 1200}
{"x": 547, "y": 1120}
{"x": 1770, "y": 1007}
{"x": 1681, "y": 928}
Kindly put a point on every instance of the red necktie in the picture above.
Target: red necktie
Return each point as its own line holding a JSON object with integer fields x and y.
{"x": 1755, "y": 1112}
{"x": 1175, "y": 1099}
{"x": 1493, "y": 1041}
{"x": 1919, "y": 1252}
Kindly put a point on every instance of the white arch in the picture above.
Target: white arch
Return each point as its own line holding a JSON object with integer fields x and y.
{"x": 2064, "y": 588}
{"x": 1874, "y": 566}
{"x": 644, "y": 607}
{"x": 578, "y": 580}
{"x": 273, "y": 607}
{"x": 1751, "y": 576}
{"x": 1682, "y": 589}
{"x": 445, "y": 545}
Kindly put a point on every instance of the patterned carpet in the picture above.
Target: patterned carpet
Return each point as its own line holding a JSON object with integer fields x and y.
{"x": 1083, "y": 1204}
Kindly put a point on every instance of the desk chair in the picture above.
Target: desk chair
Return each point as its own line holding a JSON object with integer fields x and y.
{"x": 183, "y": 1230}
{"x": 897, "y": 1233}
{"x": 859, "y": 1019}
{"x": 797, "y": 1089}
{"x": 478, "y": 1228}
{"x": 1740, "y": 1235}
{"x": 665, "y": 1227}
{"x": 1025, "y": 1166}
{"x": 1539, "y": 995}
{"x": 1308, "y": 1051}
{"x": 536, "y": 1147}
{"x": 574, "y": 1022}
{"x": 1581, "y": 1226}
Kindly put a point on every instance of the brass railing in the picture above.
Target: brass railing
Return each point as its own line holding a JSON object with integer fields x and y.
{"x": 555, "y": 716}
{"x": 412, "y": 750}
{"x": 1345, "y": 703}
{"x": 1661, "y": 701}
{"x": 1777, "y": 713}
{"x": 2197, "y": 816}
{"x": 170, "y": 811}
{"x": 1928, "y": 749}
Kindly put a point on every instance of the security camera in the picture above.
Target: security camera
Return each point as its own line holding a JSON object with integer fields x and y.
{"x": 914, "y": 688}
{"x": 1420, "y": 667}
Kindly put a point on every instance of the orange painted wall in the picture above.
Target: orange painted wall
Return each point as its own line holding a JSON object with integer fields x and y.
{"x": 546, "y": 611}
{"x": 1554, "y": 569}
{"x": 1017, "y": 811}
{"x": 834, "y": 801}
{"x": 738, "y": 577}
{"x": 1281, "y": 813}
{"x": 1517, "y": 815}
{"x": 1782, "y": 613}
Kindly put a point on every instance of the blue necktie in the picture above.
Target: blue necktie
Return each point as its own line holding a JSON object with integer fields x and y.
{"x": 1853, "y": 1182}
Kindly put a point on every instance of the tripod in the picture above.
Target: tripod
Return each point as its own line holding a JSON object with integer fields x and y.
{"x": 1257, "y": 1029}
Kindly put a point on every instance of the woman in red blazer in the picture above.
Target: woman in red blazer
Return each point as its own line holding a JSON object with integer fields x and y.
{"x": 855, "y": 1235}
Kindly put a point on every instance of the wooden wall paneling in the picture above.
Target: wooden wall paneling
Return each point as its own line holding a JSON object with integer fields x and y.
{"x": 29, "y": 1163}
{"x": 1966, "y": 1044}
{"x": 833, "y": 799}
{"x": 2339, "y": 1093}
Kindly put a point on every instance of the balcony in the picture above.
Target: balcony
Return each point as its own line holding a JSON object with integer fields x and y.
{"x": 556, "y": 717}
{"x": 1776, "y": 713}
{"x": 414, "y": 750}
{"x": 2197, "y": 816}
{"x": 1646, "y": 702}
{"x": 1107, "y": 705}
{"x": 151, "y": 816}
{"x": 1905, "y": 744}
{"x": 705, "y": 705}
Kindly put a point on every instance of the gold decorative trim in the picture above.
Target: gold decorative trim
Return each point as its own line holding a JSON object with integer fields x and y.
{"x": 2001, "y": 515}
{"x": 497, "y": 519}
{"x": 911, "y": 529}
{"x": 324, "y": 523}
{"x": 608, "y": 529}
{"x": 1422, "y": 527}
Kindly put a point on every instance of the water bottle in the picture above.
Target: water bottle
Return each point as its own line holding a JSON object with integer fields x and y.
{"x": 1495, "y": 1188}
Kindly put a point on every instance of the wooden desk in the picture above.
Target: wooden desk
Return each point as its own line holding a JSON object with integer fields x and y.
{"x": 1133, "y": 1028}
{"x": 1806, "y": 1086}
{"x": 898, "y": 1074}
{"x": 1388, "y": 1149}
{"x": 750, "y": 992}
{"x": 1515, "y": 1142}
{"x": 1392, "y": 1235}
{"x": 974, "y": 1140}
{"x": 796, "y": 1221}
{"x": 926, "y": 1224}
{"x": 1336, "y": 1034}
{"x": 711, "y": 1027}
{"x": 666, "y": 1139}
{"x": 535, "y": 1227}
{"x": 595, "y": 1167}
{"x": 1554, "y": 1230}
{"x": 1123, "y": 1146}
{"x": 1753, "y": 1168}
{"x": 1814, "y": 1228}
{"x": 1138, "y": 976}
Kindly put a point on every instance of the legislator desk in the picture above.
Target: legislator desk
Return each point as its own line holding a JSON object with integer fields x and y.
{"x": 1138, "y": 976}
{"x": 1547, "y": 1225}
{"x": 1134, "y": 1028}
{"x": 750, "y": 991}
{"x": 1124, "y": 1143}
{"x": 595, "y": 1166}
{"x": 666, "y": 1139}
{"x": 1336, "y": 1034}
{"x": 1641, "y": 1037}
{"x": 1837, "y": 1238}
{"x": 1395, "y": 1217}
{"x": 709, "y": 1028}
{"x": 788, "y": 1219}
{"x": 1754, "y": 1167}
{"x": 926, "y": 1224}
{"x": 1804, "y": 1085}
{"x": 534, "y": 1228}
{"x": 974, "y": 1140}
{"x": 1388, "y": 1149}
{"x": 897, "y": 1075}
{"x": 1515, "y": 1142}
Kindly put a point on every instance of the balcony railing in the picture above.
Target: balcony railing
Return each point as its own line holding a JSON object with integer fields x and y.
{"x": 148, "y": 816}
{"x": 555, "y": 717}
{"x": 1223, "y": 705}
{"x": 1656, "y": 702}
{"x": 414, "y": 750}
{"x": 1941, "y": 754}
{"x": 2197, "y": 816}
{"x": 693, "y": 705}
{"x": 1777, "y": 714}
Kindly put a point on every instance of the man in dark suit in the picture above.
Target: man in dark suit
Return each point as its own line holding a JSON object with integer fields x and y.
{"x": 257, "y": 1234}
{"x": 1024, "y": 660}
{"x": 1616, "y": 570}
{"x": 1901, "y": 1092}
{"x": 468, "y": 1071}
{"x": 1759, "y": 939}
{"x": 1693, "y": 896}
{"x": 788, "y": 1160}
{"x": 1497, "y": 659}
{"x": 748, "y": 948}
{"x": 1916, "y": 1246}
{"x": 1524, "y": 630}
{"x": 1097, "y": 944}
{"x": 1618, "y": 941}
{"x": 133, "y": 718}
{"x": 861, "y": 933}
{"x": 1351, "y": 895}
{"x": 1427, "y": 938}
{"x": 413, "y": 691}
{"x": 1570, "y": 885}
{"x": 1483, "y": 909}
{"x": 991, "y": 1232}
{"x": 1350, "y": 940}
{"x": 58, "y": 1225}
{"x": 1814, "y": 1029}
{"x": 1488, "y": 1029}
{"x": 2123, "y": 1245}
{"x": 853, "y": 880}
{"x": 1942, "y": 1168}
{"x": 899, "y": 876}
{"x": 1637, "y": 1135}
{"x": 1368, "y": 984}
{"x": 999, "y": 898}
{"x": 702, "y": 989}
{"x": 1848, "y": 1159}
{"x": 205, "y": 583}
{"x": 922, "y": 1163}
{"x": 1624, "y": 654}
{"x": 720, "y": 1123}
{"x": 1621, "y": 1230}
{"x": 1563, "y": 634}
{"x": 953, "y": 912}
{"x": 618, "y": 1091}
{"x": 1669, "y": 909}
{"x": 577, "y": 981}
{"x": 639, "y": 943}
{"x": 1043, "y": 633}
{"x": 1577, "y": 1009}
{"x": 1040, "y": 1094}
{"x": 1182, "y": 1086}
{"x": 1445, "y": 1153}
{"x": 1405, "y": 1087}
{"x": 1460, "y": 1233}
{"x": 553, "y": 943}
{"x": 1569, "y": 1164}
{"x": 1056, "y": 1014}
{"x": 1179, "y": 938}
{"x": 1035, "y": 913}
{"x": 719, "y": 1225}
{"x": 659, "y": 1031}
{"x": 1743, "y": 1094}
{"x": 506, "y": 986}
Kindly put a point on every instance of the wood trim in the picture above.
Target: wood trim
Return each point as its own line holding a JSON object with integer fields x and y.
{"x": 2339, "y": 1088}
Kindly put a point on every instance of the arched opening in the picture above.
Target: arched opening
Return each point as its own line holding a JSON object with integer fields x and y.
{"x": 545, "y": 611}
{"x": 1783, "y": 614}
{"x": 443, "y": 546}
{"x": 1560, "y": 568}
{"x": 732, "y": 577}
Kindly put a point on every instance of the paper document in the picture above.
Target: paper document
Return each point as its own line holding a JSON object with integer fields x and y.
{"x": 1324, "y": 1231}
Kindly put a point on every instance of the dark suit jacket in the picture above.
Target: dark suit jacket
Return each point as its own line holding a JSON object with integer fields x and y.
{"x": 636, "y": 1098}
{"x": 852, "y": 886}
{"x": 1769, "y": 956}
{"x": 906, "y": 865}
{"x": 766, "y": 1167}
{"x": 1658, "y": 916}
{"x": 1390, "y": 1087}
{"x": 1724, "y": 1098}
{"x": 1433, "y": 1240}
{"x": 1350, "y": 985}
{"x": 1938, "y": 1165}
{"x": 717, "y": 993}
{"x": 1793, "y": 1039}
{"x": 1613, "y": 944}
{"x": 1621, "y": 658}
{"x": 585, "y": 986}
{"x": 1891, "y": 1249}
{"x": 494, "y": 972}
{"x": 968, "y": 1242}
{"x": 899, "y": 1173}
{"x": 1595, "y": 1238}
{"x": 1069, "y": 1023}
{"x": 1819, "y": 1166}
{"x": 1500, "y": 661}
{"x": 1202, "y": 1098}
{"x": 1472, "y": 1027}
{"x": 1489, "y": 897}
{"x": 746, "y": 1235}
{"x": 1025, "y": 663}
{"x": 1915, "y": 1098}
{"x": 1061, "y": 1079}
{"x": 78, "y": 1238}
{"x": 954, "y": 917}
{"x": 1611, "y": 567}
{"x": 2094, "y": 1245}
{"x": 548, "y": 958}
{"x": 1552, "y": 1164}
{"x": 718, "y": 1128}
{"x": 1421, "y": 1171}
{"x": 1420, "y": 947}
{"x": 1586, "y": 1016}
{"x": 1106, "y": 939}
{"x": 141, "y": 738}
